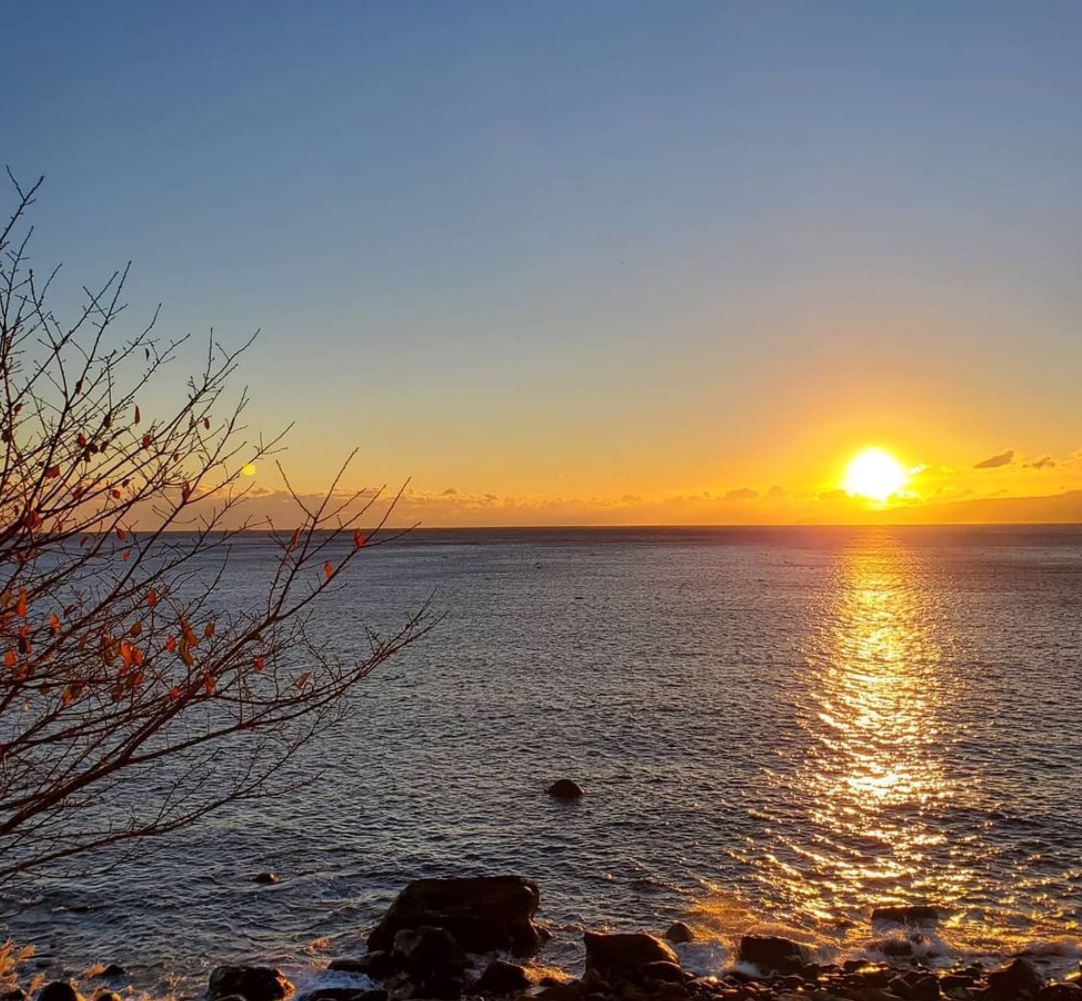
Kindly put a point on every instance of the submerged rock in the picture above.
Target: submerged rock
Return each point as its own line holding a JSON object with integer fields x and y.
{"x": 565, "y": 789}
{"x": 113, "y": 970}
{"x": 771, "y": 953}
{"x": 482, "y": 913}
{"x": 254, "y": 983}
{"x": 502, "y": 978}
{"x": 678, "y": 933}
{"x": 624, "y": 956}
{"x": 267, "y": 878}
{"x": 907, "y": 914}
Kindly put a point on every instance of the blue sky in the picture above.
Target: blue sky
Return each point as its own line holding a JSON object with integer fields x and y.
{"x": 584, "y": 248}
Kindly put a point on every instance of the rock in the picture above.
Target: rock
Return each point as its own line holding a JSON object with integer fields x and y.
{"x": 623, "y": 956}
{"x": 897, "y": 948}
{"x": 267, "y": 878}
{"x": 483, "y": 913}
{"x": 405, "y": 988}
{"x": 254, "y": 983}
{"x": 376, "y": 964}
{"x": 565, "y": 789}
{"x": 108, "y": 996}
{"x": 678, "y": 933}
{"x": 113, "y": 970}
{"x": 561, "y": 992}
{"x": 664, "y": 972}
{"x": 59, "y": 990}
{"x": 426, "y": 953}
{"x": 1061, "y": 992}
{"x": 1017, "y": 980}
{"x": 502, "y": 978}
{"x": 14, "y": 994}
{"x": 907, "y": 914}
{"x": 771, "y": 953}
{"x": 345, "y": 994}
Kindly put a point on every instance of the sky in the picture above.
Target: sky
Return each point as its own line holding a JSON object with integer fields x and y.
{"x": 591, "y": 262}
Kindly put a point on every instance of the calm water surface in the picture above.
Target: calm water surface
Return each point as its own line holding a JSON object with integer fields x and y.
{"x": 775, "y": 728}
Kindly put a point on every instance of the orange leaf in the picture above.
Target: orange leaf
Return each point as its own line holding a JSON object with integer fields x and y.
{"x": 358, "y": 538}
{"x": 20, "y": 605}
{"x": 147, "y": 440}
{"x": 208, "y": 630}
{"x": 9, "y": 658}
{"x": 303, "y": 679}
{"x": 120, "y": 533}
{"x": 328, "y": 570}
{"x": 54, "y": 622}
{"x": 126, "y": 555}
{"x": 174, "y": 694}
{"x": 115, "y": 493}
{"x": 260, "y": 663}
{"x": 209, "y": 684}
{"x": 186, "y": 655}
{"x": 152, "y": 597}
{"x": 170, "y": 643}
{"x": 136, "y": 628}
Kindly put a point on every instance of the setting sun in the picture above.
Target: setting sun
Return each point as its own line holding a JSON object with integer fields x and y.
{"x": 875, "y": 474}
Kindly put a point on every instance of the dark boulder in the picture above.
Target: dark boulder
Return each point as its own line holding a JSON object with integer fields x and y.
{"x": 428, "y": 952}
{"x": 113, "y": 970}
{"x": 771, "y": 953}
{"x": 107, "y": 996}
{"x": 1019, "y": 979}
{"x": 664, "y": 972}
{"x": 565, "y": 789}
{"x": 266, "y": 878}
{"x": 906, "y": 914}
{"x": 483, "y": 913}
{"x": 1061, "y": 992}
{"x": 59, "y": 990}
{"x": 376, "y": 964}
{"x": 678, "y": 933}
{"x": 345, "y": 994}
{"x": 14, "y": 994}
{"x": 502, "y": 978}
{"x": 624, "y": 955}
{"x": 255, "y": 983}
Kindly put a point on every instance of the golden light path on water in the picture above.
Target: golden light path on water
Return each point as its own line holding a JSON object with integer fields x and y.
{"x": 876, "y": 708}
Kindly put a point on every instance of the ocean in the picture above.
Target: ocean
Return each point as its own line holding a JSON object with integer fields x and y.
{"x": 776, "y": 728}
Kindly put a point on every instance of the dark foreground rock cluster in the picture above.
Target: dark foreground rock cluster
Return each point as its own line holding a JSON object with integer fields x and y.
{"x": 444, "y": 939}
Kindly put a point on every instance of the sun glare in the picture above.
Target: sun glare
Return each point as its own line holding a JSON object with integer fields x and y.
{"x": 875, "y": 474}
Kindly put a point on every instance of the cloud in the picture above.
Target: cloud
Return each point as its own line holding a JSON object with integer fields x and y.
{"x": 1044, "y": 462}
{"x": 995, "y": 461}
{"x": 450, "y": 492}
{"x": 744, "y": 493}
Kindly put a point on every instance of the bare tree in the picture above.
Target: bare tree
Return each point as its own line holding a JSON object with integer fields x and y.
{"x": 128, "y": 707}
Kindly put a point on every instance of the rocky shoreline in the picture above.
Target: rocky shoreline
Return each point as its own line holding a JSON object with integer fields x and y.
{"x": 475, "y": 937}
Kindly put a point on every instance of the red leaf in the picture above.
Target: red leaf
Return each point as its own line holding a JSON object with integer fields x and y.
{"x": 20, "y": 605}
{"x": 328, "y": 570}
{"x": 81, "y": 439}
{"x": 115, "y": 493}
{"x": 209, "y": 684}
{"x": 170, "y": 643}
{"x": 54, "y": 623}
{"x": 152, "y": 597}
{"x": 358, "y": 538}
{"x": 174, "y": 694}
{"x": 52, "y": 472}
{"x": 206, "y": 423}
{"x": 259, "y": 663}
{"x": 120, "y": 533}
{"x": 9, "y": 658}
{"x": 147, "y": 440}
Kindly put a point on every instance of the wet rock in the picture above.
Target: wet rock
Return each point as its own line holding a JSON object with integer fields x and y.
{"x": 1061, "y": 992}
{"x": 907, "y": 914}
{"x": 426, "y": 953}
{"x": 896, "y": 948}
{"x": 622, "y": 956}
{"x": 565, "y": 789}
{"x": 113, "y": 970}
{"x": 345, "y": 994}
{"x": 502, "y": 978}
{"x": 58, "y": 990}
{"x": 771, "y": 953}
{"x": 266, "y": 878}
{"x": 561, "y": 992}
{"x": 108, "y": 996}
{"x": 442, "y": 988}
{"x": 14, "y": 994}
{"x": 254, "y": 983}
{"x": 1019, "y": 979}
{"x": 664, "y": 972}
{"x": 484, "y": 913}
{"x": 678, "y": 933}
{"x": 376, "y": 964}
